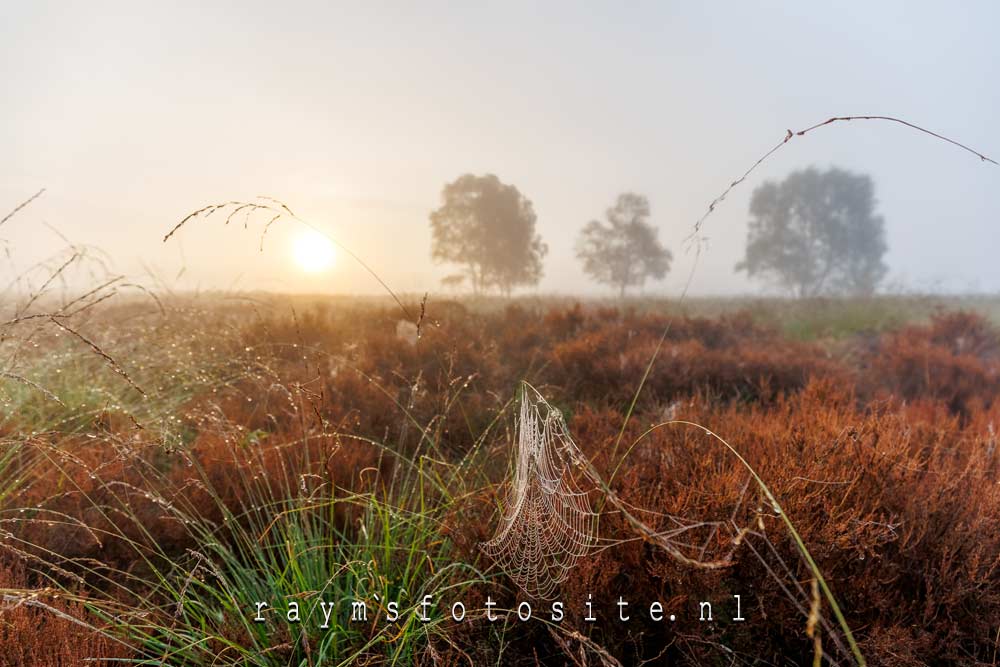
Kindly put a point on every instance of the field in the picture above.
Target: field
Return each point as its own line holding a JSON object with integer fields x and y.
{"x": 167, "y": 463}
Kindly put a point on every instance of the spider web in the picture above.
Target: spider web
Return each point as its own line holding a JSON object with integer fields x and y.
{"x": 547, "y": 524}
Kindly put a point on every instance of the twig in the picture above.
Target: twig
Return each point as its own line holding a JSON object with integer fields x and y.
{"x": 55, "y": 274}
{"x": 22, "y": 205}
{"x": 104, "y": 355}
{"x": 789, "y": 135}
{"x": 34, "y": 385}
{"x": 279, "y": 209}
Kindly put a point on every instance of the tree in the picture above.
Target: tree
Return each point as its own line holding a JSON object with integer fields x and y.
{"x": 817, "y": 232}
{"x": 489, "y": 228}
{"x": 625, "y": 251}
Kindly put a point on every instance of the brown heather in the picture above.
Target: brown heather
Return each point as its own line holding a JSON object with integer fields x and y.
{"x": 881, "y": 446}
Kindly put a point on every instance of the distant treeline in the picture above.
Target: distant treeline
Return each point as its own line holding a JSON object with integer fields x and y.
{"x": 815, "y": 233}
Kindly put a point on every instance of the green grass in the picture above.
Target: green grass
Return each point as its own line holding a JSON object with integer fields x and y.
{"x": 283, "y": 542}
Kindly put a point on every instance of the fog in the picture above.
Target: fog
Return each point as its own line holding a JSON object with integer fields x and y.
{"x": 131, "y": 117}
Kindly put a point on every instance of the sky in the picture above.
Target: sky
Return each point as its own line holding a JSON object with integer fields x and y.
{"x": 131, "y": 115}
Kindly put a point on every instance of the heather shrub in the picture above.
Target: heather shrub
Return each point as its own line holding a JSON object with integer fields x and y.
{"x": 955, "y": 358}
{"x": 43, "y": 629}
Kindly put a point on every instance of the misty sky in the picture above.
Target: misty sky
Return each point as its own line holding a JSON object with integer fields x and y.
{"x": 131, "y": 116}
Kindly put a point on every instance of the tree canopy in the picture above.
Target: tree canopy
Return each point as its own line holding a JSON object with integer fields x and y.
{"x": 625, "y": 251}
{"x": 488, "y": 228}
{"x": 816, "y": 233}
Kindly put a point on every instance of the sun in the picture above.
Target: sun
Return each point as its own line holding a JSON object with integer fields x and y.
{"x": 313, "y": 252}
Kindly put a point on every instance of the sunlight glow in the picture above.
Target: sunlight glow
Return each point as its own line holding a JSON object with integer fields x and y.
{"x": 313, "y": 252}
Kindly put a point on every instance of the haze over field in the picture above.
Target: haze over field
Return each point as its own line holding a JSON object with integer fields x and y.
{"x": 356, "y": 117}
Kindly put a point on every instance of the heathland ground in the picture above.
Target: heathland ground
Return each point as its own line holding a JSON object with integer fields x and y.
{"x": 168, "y": 462}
